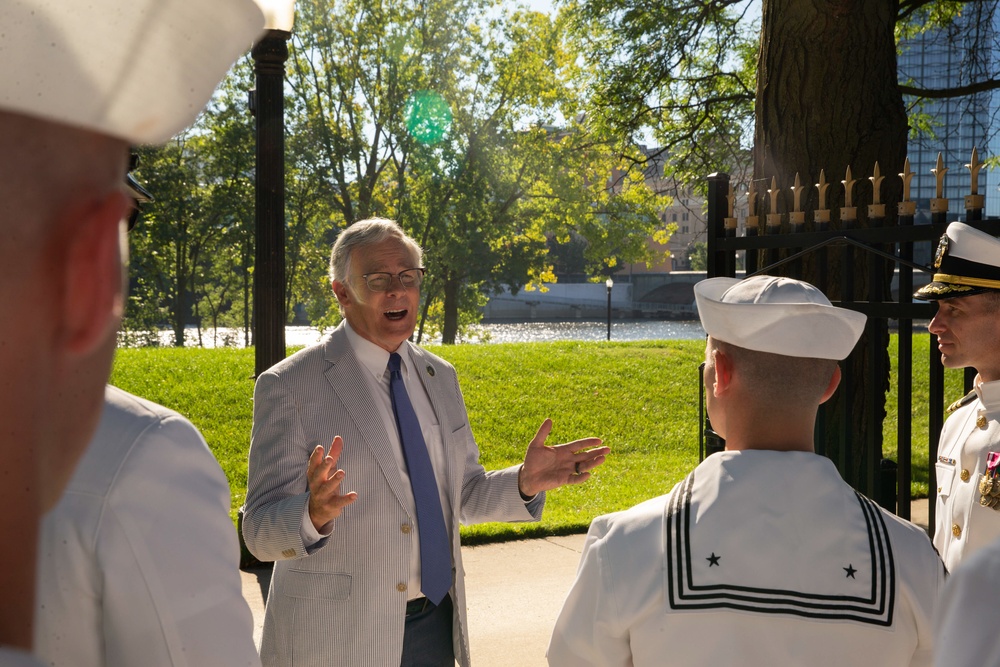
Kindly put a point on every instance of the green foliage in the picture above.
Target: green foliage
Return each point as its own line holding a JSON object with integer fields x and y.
{"x": 476, "y": 183}
{"x": 698, "y": 256}
{"x": 192, "y": 249}
{"x": 686, "y": 73}
{"x": 503, "y": 172}
{"x": 916, "y": 18}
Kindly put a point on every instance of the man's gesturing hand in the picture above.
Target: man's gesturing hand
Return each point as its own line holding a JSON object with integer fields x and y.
{"x": 324, "y": 478}
{"x": 546, "y": 468}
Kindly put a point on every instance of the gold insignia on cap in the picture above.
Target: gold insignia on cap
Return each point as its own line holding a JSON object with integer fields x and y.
{"x": 942, "y": 250}
{"x": 944, "y": 289}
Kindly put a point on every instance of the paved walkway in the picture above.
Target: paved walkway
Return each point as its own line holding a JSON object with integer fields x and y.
{"x": 515, "y": 591}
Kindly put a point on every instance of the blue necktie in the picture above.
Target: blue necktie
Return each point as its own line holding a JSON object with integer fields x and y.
{"x": 435, "y": 549}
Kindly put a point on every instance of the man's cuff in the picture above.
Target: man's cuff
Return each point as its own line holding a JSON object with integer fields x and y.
{"x": 307, "y": 531}
{"x": 526, "y": 499}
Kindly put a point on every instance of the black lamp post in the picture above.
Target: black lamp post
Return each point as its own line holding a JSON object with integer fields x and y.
{"x": 610, "y": 283}
{"x": 267, "y": 105}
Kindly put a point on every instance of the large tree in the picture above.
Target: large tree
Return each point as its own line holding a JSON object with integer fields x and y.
{"x": 815, "y": 79}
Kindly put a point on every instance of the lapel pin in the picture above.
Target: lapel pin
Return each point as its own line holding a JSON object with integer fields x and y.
{"x": 430, "y": 370}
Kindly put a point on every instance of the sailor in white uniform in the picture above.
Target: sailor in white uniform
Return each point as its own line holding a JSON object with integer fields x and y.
{"x": 763, "y": 555}
{"x": 966, "y": 287}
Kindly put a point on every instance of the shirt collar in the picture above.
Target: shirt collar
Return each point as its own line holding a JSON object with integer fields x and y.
{"x": 989, "y": 394}
{"x": 372, "y": 357}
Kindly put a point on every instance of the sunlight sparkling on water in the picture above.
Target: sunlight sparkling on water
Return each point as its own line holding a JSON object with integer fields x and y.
{"x": 512, "y": 332}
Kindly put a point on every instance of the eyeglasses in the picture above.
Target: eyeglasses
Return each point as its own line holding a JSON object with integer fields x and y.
{"x": 380, "y": 281}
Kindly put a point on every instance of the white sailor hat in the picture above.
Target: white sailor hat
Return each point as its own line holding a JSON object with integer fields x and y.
{"x": 777, "y": 315}
{"x": 139, "y": 70}
{"x": 967, "y": 262}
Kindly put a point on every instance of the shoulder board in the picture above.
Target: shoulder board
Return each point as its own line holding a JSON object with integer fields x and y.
{"x": 965, "y": 400}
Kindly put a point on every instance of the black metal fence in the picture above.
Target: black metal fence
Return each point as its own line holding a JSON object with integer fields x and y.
{"x": 787, "y": 239}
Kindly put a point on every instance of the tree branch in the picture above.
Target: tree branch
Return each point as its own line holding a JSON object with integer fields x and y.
{"x": 946, "y": 93}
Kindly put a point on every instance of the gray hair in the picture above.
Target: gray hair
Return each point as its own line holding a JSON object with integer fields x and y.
{"x": 366, "y": 233}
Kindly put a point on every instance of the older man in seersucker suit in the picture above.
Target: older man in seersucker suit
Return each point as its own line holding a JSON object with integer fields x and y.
{"x": 373, "y": 576}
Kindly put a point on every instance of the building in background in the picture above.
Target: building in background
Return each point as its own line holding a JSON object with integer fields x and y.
{"x": 960, "y": 55}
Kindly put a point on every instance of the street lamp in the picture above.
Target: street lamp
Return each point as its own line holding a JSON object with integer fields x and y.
{"x": 267, "y": 104}
{"x": 610, "y": 283}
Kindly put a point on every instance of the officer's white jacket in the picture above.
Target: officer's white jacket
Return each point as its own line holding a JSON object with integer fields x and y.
{"x": 962, "y": 525}
{"x": 756, "y": 558}
{"x": 139, "y": 560}
{"x": 967, "y": 624}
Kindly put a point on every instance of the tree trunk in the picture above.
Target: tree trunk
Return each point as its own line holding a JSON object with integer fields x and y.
{"x": 179, "y": 280}
{"x": 449, "y": 330}
{"x": 827, "y": 99}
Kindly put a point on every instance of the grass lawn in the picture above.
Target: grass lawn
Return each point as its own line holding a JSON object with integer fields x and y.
{"x": 640, "y": 397}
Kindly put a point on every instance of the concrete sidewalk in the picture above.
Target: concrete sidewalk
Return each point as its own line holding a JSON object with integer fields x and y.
{"x": 515, "y": 591}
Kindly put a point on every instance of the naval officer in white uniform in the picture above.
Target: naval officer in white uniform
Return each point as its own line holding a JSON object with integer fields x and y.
{"x": 763, "y": 555}
{"x": 966, "y": 287}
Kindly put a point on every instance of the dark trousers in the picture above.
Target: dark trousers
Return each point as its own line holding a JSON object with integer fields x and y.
{"x": 427, "y": 637}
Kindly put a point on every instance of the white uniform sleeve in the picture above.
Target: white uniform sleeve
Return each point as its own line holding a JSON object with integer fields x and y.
{"x": 588, "y": 630}
{"x": 169, "y": 555}
{"x": 968, "y": 624}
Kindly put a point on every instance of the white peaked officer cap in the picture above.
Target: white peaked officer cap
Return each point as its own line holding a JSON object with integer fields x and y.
{"x": 777, "y": 315}
{"x": 967, "y": 262}
{"x": 139, "y": 70}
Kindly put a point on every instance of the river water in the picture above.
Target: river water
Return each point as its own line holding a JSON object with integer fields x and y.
{"x": 508, "y": 332}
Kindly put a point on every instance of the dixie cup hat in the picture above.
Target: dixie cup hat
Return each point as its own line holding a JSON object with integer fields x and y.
{"x": 139, "y": 70}
{"x": 967, "y": 262}
{"x": 777, "y": 315}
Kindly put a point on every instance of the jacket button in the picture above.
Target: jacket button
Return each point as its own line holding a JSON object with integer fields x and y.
{"x": 956, "y": 530}
{"x": 406, "y": 528}
{"x": 401, "y": 587}
{"x": 965, "y": 475}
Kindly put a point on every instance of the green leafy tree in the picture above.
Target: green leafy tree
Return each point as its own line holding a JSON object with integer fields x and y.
{"x": 195, "y": 238}
{"x": 816, "y": 81}
{"x": 442, "y": 115}
{"x": 698, "y": 256}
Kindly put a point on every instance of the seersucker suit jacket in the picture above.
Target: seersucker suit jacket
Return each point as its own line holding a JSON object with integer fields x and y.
{"x": 342, "y": 601}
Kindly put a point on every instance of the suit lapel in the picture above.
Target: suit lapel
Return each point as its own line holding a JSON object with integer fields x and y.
{"x": 345, "y": 376}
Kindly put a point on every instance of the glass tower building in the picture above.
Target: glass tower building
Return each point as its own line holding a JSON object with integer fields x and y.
{"x": 959, "y": 55}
